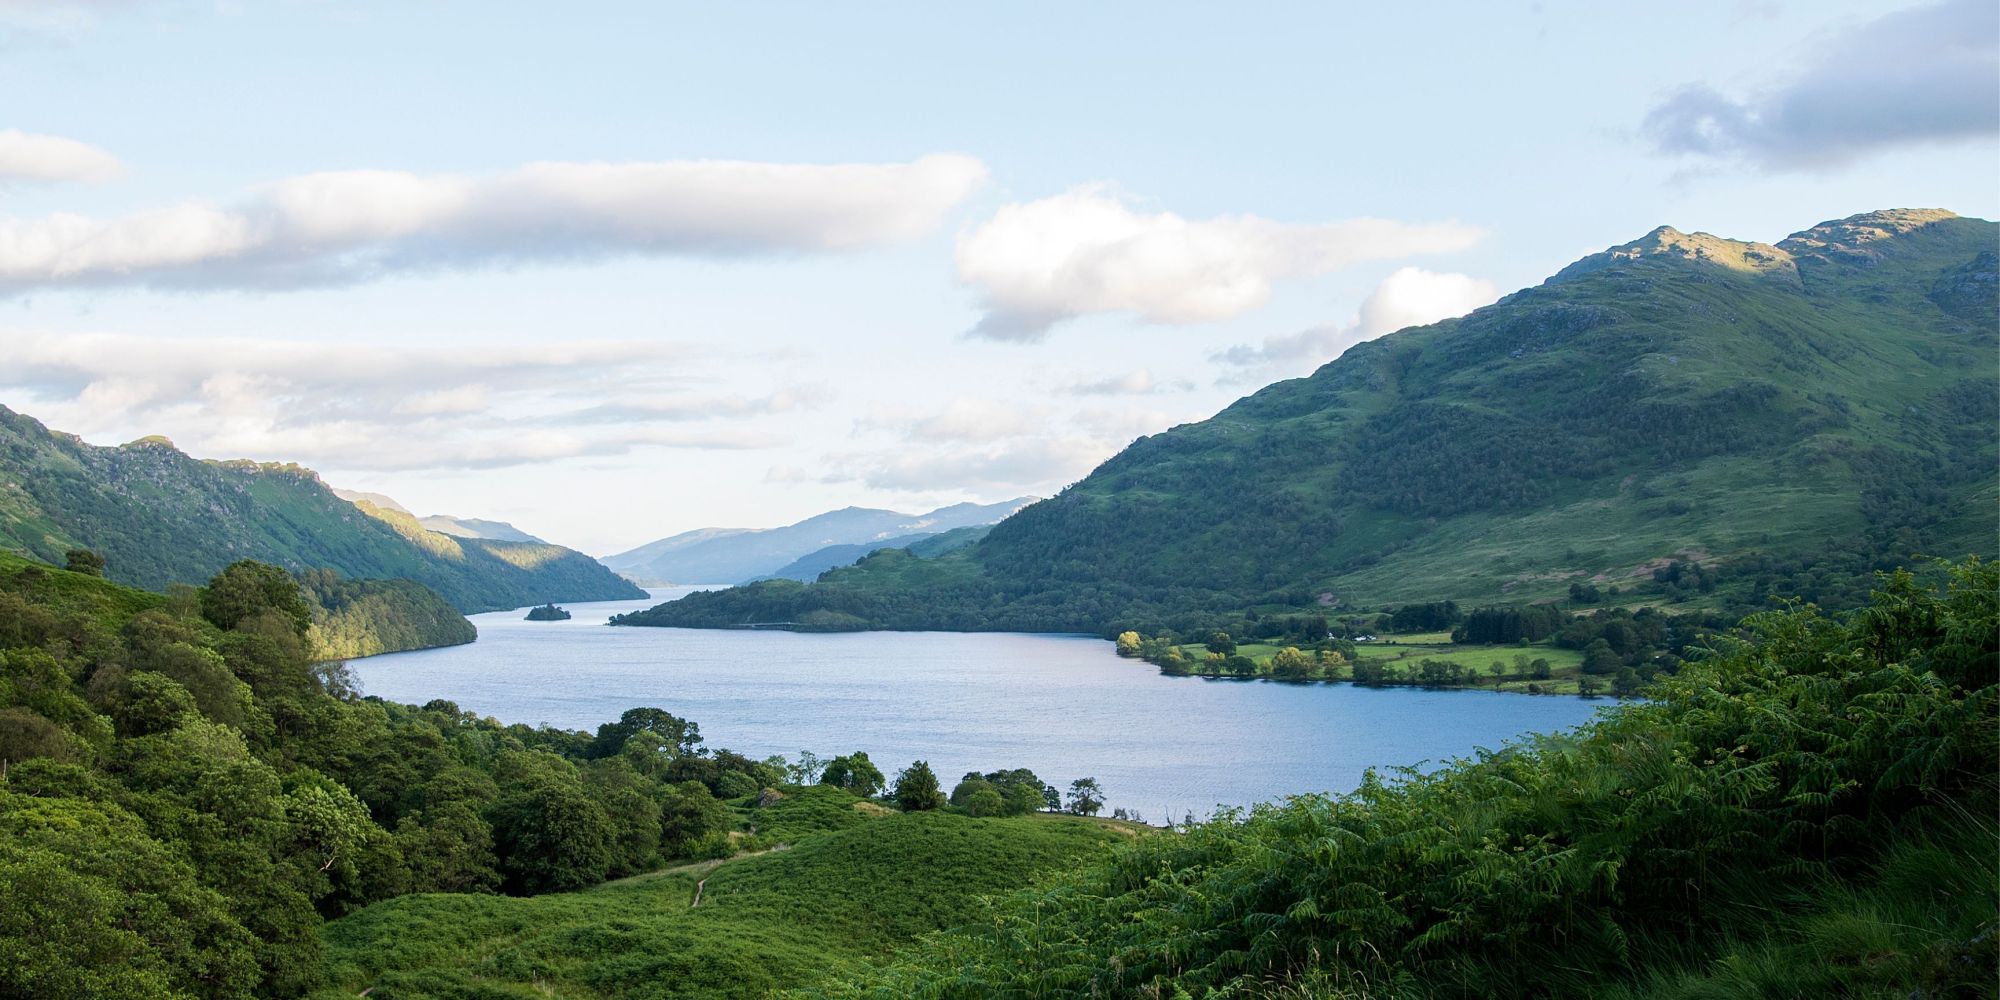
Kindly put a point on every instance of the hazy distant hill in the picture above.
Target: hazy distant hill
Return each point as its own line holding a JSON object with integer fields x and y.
{"x": 1783, "y": 417}
{"x": 477, "y": 527}
{"x": 159, "y": 517}
{"x": 732, "y": 555}
{"x": 458, "y": 527}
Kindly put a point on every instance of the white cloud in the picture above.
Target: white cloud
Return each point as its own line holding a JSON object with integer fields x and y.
{"x": 378, "y": 408}
{"x": 1013, "y": 468}
{"x": 1087, "y": 251}
{"x": 989, "y": 449}
{"x": 1915, "y": 76}
{"x": 353, "y": 226}
{"x": 1138, "y": 382}
{"x": 31, "y": 157}
{"x": 1410, "y": 297}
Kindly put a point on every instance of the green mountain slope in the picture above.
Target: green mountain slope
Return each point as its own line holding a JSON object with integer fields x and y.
{"x": 1787, "y": 416}
{"x": 158, "y": 516}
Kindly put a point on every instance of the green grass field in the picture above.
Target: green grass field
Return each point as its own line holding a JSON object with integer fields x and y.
{"x": 781, "y": 918}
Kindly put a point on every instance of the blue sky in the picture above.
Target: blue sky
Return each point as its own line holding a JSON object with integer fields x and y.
{"x": 781, "y": 258}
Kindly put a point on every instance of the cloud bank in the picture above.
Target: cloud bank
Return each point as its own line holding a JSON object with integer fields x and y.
{"x": 1410, "y": 297}
{"x": 1087, "y": 251}
{"x": 353, "y": 226}
{"x": 1918, "y": 76}
{"x": 31, "y": 157}
{"x": 376, "y": 408}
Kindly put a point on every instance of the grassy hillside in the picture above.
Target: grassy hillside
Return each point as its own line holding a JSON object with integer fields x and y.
{"x": 1809, "y": 813}
{"x": 158, "y": 516}
{"x": 1787, "y": 417}
{"x": 766, "y": 922}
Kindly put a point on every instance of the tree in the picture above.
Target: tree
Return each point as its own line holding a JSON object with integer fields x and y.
{"x": 806, "y": 769}
{"x": 917, "y": 788}
{"x": 1220, "y": 642}
{"x": 84, "y": 561}
{"x": 666, "y": 734}
{"x": 690, "y": 820}
{"x": 1588, "y": 686}
{"x": 854, "y": 772}
{"x": 1291, "y": 664}
{"x": 552, "y": 839}
{"x": 1085, "y": 797}
{"x": 1626, "y": 682}
{"x": 246, "y": 587}
{"x": 1128, "y": 643}
{"x": 1599, "y": 658}
{"x": 1540, "y": 669}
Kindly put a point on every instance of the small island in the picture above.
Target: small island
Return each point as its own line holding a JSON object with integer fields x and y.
{"x": 548, "y": 613}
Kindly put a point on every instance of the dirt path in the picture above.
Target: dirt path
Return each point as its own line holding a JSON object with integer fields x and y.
{"x": 693, "y": 867}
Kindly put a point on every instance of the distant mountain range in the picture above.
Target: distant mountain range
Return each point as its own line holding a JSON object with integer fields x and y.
{"x": 161, "y": 517}
{"x": 1699, "y": 418}
{"x": 447, "y": 524}
{"x": 801, "y": 551}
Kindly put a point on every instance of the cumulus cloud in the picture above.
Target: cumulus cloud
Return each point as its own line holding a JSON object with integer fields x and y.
{"x": 1138, "y": 382}
{"x": 1917, "y": 76}
{"x": 1410, "y": 297}
{"x": 32, "y": 157}
{"x": 381, "y": 408}
{"x": 1089, "y": 251}
{"x": 353, "y": 226}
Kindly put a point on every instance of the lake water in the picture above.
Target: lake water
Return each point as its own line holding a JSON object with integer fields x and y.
{"x": 1063, "y": 706}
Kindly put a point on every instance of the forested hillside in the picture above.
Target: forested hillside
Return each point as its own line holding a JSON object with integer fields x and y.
{"x": 158, "y": 516}
{"x": 185, "y": 798}
{"x": 1786, "y": 418}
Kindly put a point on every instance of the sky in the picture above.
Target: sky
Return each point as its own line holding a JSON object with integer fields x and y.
{"x": 614, "y": 271}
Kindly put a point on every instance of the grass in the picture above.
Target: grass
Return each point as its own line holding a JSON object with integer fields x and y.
{"x": 766, "y": 922}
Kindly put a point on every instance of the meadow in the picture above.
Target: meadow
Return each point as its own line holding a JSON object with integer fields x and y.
{"x": 858, "y": 882}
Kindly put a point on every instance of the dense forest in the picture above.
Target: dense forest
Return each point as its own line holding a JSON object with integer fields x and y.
{"x": 160, "y": 517}
{"x": 1787, "y": 420}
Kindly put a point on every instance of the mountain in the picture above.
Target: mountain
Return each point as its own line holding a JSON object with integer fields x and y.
{"x": 1689, "y": 417}
{"x": 444, "y": 524}
{"x": 159, "y": 516}
{"x": 475, "y": 527}
{"x": 730, "y": 555}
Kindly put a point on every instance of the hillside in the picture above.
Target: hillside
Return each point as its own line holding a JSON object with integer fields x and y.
{"x": 1769, "y": 418}
{"x": 766, "y": 922}
{"x": 186, "y": 799}
{"x": 1808, "y": 813}
{"x": 159, "y": 516}
{"x": 734, "y": 555}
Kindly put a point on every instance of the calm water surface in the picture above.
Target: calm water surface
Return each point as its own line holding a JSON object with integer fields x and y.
{"x": 1063, "y": 706}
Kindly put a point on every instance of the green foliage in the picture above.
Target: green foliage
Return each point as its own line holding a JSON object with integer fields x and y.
{"x": 183, "y": 803}
{"x": 1808, "y": 812}
{"x": 548, "y": 613}
{"x": 83, "y": 561}
{"x": 245, "y": 588}
{"x": 1770, "y": 431}
{"x": 764, "y": 923}
{"x": 854, "y": 773}
{"x": 917, "y": 788}
{"x": 159, "y": 517}
{"x": 364, "y": 617}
